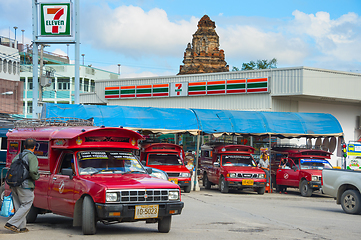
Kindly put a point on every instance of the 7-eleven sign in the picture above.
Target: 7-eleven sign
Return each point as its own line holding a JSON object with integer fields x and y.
{"x": 55, "y": 19}
{"x": 178, "y": 89}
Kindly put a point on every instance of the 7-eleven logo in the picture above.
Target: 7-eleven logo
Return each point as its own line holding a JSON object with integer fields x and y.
{"x": 178, "y": 89}
{"x": 55, "y": 19}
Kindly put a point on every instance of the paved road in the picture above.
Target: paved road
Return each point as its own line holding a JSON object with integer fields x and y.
{"x": 208, "y": 214}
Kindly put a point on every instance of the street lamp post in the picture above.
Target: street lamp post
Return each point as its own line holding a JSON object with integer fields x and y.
{"x": 15, "y": 31}
{"x": 83, "y": 58}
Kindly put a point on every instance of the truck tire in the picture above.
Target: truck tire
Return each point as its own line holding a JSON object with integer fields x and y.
{"x": 2, "y": 193}
{"x": 261, "y": 190}
{"x": 305, "y": 189}
{"x": 223, "y": 186}
{"x": 206, "y": 183}
{"x": 32, "y": 214}
{"x": 88, "y": 216}
{"x": 164, "y": 224}
{"x": 187, "y": 189}
{"x": 351, "y": 202}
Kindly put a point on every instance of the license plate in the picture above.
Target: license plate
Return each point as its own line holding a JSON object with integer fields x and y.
{"x": 247, "y": 182}
{"x": 146, "y": 211}
{"x": 173, "y": 180}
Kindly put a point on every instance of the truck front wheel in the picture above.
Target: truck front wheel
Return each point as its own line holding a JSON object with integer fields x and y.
{"x": 305, "y": 189}
{"x": 32, "y": 214}
{"x": 261, "y": 190}
{"x": 351, "y": 202}
{"x": 206, "y": 182}
{"x": 187, "y": 189}
{"x": 88, "y": 216}
{"x": 223, "y": 186}
{"x": 164, "y": 224}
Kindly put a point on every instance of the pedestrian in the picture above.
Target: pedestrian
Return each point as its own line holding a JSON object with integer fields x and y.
{"x": 23, "y": 195}
{"x": 264, "y": 164}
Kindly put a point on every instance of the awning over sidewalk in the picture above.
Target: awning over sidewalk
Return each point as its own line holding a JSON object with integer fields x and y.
{"x": 175, "y": 120}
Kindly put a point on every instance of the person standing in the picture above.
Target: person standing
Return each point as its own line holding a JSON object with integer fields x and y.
{"x": 264, "y": 164}
{"x": 23, "y": 195}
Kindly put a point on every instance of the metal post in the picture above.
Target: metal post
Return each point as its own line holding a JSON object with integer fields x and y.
{"x": 269, "y": 154}
{"x": 197, "y": 159}
{"x": 35, "y": 60}
{"x": 77, "y": 52}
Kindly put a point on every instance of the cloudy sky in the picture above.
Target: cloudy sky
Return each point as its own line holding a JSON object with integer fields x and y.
{"x": 149, "y": 37}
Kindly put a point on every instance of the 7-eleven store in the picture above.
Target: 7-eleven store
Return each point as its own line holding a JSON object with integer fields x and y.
{"x": 297, "y": 89}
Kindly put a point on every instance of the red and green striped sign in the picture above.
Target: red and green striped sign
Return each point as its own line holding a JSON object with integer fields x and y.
{"x": 236, "y": 86}
{"x": 127, "y": 92}
{"x": 257, "y": 85}
{"x": 161, "y": 90}
{"x": 111, "y": 92}
{"x": 143, "y": 91}
{"x": 216, "y": 87}
{"x": 197, "y": 88}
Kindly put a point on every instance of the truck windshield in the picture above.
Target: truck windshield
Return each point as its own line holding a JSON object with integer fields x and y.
{"x": 238, "y": 160}
{"x": 105, "y": 162}
{"x": 164, "y": 159}
{"x": 315, "y": 164}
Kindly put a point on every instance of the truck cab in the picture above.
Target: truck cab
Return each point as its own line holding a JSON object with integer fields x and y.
{"x": 231, "y": 166}
{"x": 300, "y": 168}
{"x": 91, "y": 174}
{"x": 169, "y": 158}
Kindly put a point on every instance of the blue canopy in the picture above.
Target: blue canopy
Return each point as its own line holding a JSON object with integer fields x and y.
{"x": 209, "y": 121}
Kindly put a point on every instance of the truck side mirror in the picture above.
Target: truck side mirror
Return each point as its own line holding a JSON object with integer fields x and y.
{"x": 149, "y": 170}
{"x": 216, "y": 164}
{"x": 67, "y": 172}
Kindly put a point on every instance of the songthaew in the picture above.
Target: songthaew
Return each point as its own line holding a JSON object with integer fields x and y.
{"x": 91, "y": 174}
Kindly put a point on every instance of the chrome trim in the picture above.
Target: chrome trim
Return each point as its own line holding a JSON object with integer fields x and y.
{"x": 143, "y": 195}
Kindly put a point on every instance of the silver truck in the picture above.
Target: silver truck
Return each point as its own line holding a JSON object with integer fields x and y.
{"x": 345, "y": 186}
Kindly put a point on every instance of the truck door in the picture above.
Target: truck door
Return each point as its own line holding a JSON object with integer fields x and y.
{"x": 288, "y": 175}
{"x": 61, "y": 196}
{"x": 215, "y": 170}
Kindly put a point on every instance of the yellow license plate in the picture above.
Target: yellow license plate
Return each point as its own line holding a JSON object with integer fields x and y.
{"x": 173, "y": 180}
{"x": 247, "y": 182}
{"x": 146, "y": 211}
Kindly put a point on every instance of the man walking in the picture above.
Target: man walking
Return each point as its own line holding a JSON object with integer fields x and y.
{"x": 264, "y": 164}
{"x": 23, "y": 196}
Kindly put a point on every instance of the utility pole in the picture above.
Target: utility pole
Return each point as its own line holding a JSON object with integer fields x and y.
{"x": 41, "y": 73}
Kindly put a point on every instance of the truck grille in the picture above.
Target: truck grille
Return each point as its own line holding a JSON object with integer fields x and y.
{"x": 247, "y": 175}
{"x": 174, "y": 174}
{"x": 149, "y": 195}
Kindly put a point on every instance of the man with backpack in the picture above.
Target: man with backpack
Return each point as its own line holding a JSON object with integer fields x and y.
{"x": 23, "y": 195}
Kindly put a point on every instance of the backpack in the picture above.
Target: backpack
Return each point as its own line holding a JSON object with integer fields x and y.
{"x": 18, "y": 172}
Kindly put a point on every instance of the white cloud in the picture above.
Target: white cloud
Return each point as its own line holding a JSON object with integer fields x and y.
{"x": 135, "y": 33}
{"x": 59, "y": 52}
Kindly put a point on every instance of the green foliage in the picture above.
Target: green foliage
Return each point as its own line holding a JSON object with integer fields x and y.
{"x": 260, "y": 64}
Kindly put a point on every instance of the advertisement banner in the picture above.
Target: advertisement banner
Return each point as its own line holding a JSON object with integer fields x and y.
{"x": 353, "y": 156}
{"x": 55, "y": 19}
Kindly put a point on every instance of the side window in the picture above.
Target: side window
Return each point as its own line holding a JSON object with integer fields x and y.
{"x": 67, "y": 162}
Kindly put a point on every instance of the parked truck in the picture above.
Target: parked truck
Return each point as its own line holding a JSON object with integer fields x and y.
{"x": 231, "y": 166}
{"x": 91, "y": 175}
{"x": 345, "y": 186}
{"x": 169, "y": 158}
{"x": 299, "y": 168}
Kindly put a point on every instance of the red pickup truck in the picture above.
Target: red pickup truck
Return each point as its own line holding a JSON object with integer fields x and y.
{"x": 169, "y": 158}
{"x": 91, "y": 174}
{"x": 231, "y": 166}
{"x": 300, "y": 168}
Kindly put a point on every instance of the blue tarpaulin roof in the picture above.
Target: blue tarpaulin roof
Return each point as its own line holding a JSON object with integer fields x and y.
{"x": 282, "y": 124}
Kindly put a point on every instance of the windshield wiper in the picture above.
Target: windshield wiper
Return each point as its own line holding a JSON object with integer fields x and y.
{"x": 104, "y": 170}
{"x": 134, "y": 172}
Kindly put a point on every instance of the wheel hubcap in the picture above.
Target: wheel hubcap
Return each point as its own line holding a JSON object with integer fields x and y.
{"x": 350, "y": 202}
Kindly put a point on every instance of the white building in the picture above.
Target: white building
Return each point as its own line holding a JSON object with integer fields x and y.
{"x": 296, "y": 89}
{"x": 61, "y": 89}
{"x": 10, "y": 85}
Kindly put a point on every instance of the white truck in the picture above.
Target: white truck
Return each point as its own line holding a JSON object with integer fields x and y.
{"x": 345, "y": 186}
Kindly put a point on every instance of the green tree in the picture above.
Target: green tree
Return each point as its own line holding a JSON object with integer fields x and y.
{"x": 260, "y": 64}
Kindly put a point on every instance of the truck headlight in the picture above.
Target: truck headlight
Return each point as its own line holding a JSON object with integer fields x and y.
{"x": 232, "y": 175}
{"x": 173, "y": 195}
{"x": 184, "y": 174}
{"x": 112, "y": 197}
{"x": 261, "y": 176}
{"x": 314, "y": 178}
